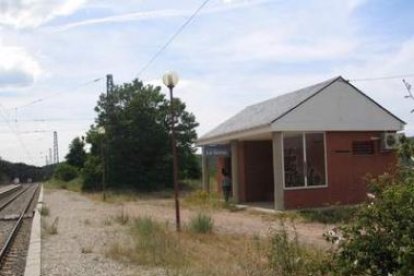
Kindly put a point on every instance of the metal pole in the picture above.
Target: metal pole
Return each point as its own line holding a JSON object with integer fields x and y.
{"x": 175, "y": 162}
{"x": 103, "y": 168}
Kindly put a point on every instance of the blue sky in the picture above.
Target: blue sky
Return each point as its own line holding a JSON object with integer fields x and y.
{"x": 235, "y": 53}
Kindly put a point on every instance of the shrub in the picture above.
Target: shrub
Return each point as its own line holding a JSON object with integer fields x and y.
{"x": 65, "y": 172}
{"x": 381, "y": 241}
{"x": 92, "y": 174}
{"x": 44, "y": 211}
{"x": 288, "y": 257}
{"x": 201, "y": 223}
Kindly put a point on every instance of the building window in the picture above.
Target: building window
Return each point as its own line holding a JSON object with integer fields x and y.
{"x": 363, "y": 147}
{"x": 304, "y": 159}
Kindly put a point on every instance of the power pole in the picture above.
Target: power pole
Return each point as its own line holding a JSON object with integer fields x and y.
{"x": 105, "y": 161}
{"x": 50, "y": 156}
{"x": 55, "y": 148}
{"x": 47, "y": 161}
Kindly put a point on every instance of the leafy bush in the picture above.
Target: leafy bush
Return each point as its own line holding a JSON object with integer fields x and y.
{"x": 201, "y": 223}
{"x": 92, "y": 174}
{"x": 65, "y": 172}
{"x": 381, "y": 241}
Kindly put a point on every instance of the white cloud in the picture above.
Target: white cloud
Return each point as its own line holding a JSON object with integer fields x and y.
{"x": 17, "y": 67}
{"x": 33, "y": 13}
{"x": 135, "y": 16}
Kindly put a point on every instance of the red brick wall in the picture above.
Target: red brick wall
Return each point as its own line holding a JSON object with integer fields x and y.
{"x": 345, "y": 172}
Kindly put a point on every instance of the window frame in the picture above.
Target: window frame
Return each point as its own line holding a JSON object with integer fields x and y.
{"x": 306, "y": 186}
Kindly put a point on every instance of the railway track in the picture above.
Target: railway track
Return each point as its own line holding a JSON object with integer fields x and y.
{"x": 16, "y": 213}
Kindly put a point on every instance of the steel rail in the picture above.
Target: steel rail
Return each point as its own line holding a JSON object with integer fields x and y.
{"x": 13, "y": 197}
{"x": 16, "y": 227}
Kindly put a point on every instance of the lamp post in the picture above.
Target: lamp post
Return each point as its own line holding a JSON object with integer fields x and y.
{"x": 101, "y": 130}
{"x": 170, "y": 79}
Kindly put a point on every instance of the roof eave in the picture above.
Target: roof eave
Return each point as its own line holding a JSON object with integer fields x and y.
{"x": 225, "y": 138}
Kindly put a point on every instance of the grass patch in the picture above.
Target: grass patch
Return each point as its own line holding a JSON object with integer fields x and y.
{"x": 332, "y": 215}
{"x": 122, "y": 217}
{"x": 124, "y": 195}
{"x": 201, "y": 223}
{"x": 202, "y": 199}
{"x": 50, "y": 228}
{"x": 186, "y": 253}
{"x": 107, "y": 222}
{"x": 44, "y": 211}
{"x": 74, "y": 185}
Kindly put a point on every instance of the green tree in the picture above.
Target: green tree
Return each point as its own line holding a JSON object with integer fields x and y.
{"x": 66, "y": 172}
{"x": 136, "y": 147}
{"x": 77, "y": 154}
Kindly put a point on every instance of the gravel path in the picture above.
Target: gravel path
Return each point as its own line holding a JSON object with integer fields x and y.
{"x": 81, "y": 227}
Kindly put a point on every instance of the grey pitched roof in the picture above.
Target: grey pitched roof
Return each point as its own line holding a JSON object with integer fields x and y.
{"x": 264, "y": 113}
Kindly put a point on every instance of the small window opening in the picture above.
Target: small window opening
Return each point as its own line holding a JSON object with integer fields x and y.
{"x": 363, "y": 147}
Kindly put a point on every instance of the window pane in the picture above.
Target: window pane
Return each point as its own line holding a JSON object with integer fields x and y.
{"x": 293, "y": 160}
{"x": 315, "y": 159}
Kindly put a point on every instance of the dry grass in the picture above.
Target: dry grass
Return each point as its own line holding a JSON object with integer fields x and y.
{"x": 188, "y": 253}
{"x": 123, "y": 196}
{"x": 122, "y": 217}
{"x": 44, "y": 211}
{"x": 50, "y": 228}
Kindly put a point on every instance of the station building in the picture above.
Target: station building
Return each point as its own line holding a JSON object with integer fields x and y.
{"x": 309, "y": 148}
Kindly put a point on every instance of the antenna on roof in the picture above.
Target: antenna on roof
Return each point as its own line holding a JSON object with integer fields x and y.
{"x": 410, "y": 94}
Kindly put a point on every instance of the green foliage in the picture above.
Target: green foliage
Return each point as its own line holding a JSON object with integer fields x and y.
{"x": 65, "y": 172}
{"x": 77, "y": 155}
{"x": 381, "y": 240}
{"x": 92, "y": 174}
{"x": 75, "y": 185}
{"x": 136, "y": 146}
{"x": 288, "y": 257}
{"x": 337, "y": 214}
{"x": 201, "y": 223}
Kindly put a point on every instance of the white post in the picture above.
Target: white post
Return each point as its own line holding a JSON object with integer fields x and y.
{"x": 205, "y": 172}
{"x": 278, "y": 173}
{"x": 235, "y": 170}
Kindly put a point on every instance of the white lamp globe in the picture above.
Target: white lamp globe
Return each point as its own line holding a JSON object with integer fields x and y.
{"x": 170, "y": 79}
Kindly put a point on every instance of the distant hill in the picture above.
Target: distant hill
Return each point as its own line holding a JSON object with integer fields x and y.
{"x": 9, "y": 171}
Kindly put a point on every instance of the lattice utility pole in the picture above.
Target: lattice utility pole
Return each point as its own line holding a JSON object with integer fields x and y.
{"x": 50, "y": 156}
{"x": 55, "y": 148}
{"x": 105, "y": 161}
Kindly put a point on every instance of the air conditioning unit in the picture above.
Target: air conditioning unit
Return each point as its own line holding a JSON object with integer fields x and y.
{"x": 390, "y": 141}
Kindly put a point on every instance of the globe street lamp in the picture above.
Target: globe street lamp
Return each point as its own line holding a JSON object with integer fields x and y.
{"x": 170, "y": 79}
{"x": 101, "y": 130}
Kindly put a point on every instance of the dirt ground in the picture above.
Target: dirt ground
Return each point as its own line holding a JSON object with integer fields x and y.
{"x": 84, "y": 232}
{"x": 240, "y": 222}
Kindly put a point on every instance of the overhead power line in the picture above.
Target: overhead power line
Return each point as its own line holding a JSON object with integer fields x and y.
{"x": 383, "y": 78}
{"x": 53, "y": 95}
{"x": 172, "y": 38}
{"x": 16, "y": 133}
